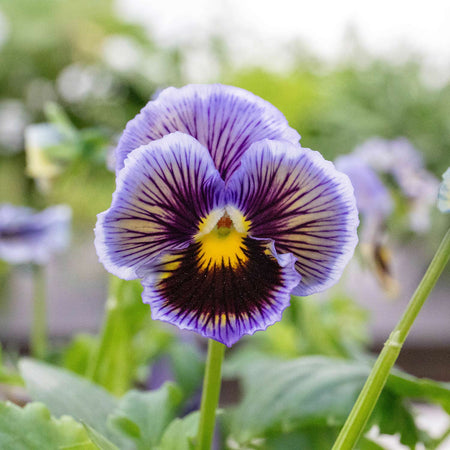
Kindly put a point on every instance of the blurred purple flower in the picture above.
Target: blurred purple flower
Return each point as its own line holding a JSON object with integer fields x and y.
{"x": 387, "y": 156}
{"x": 374, "y": 203}
{"x": 27, "y": 236}
{"x": 444, "y": 193}
{"x": 372, "y": 197}
{"x": 400, "y": 159}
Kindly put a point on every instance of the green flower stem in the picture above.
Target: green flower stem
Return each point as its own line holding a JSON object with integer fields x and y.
{"x": 106, "y": 366}
{"x": 368, "y": 397}
{"x": 38, "y": 338}
{"x": 210, "y": 395}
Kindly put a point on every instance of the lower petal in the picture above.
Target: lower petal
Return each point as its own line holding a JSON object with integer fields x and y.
{"x": 225, "y": 300}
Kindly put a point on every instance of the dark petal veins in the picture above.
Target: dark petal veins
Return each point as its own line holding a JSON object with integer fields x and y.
{"x": 225, "y": 119}
{"x": 162, "y": 193}
{"x": 295, "y": 197}
{"x": 219, "y": 301}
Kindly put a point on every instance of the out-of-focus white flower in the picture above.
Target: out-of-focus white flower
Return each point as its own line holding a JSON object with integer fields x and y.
{"x": 422, "y": 188}
{"x": 444, "y": 193}
{"x": 13, "y": 119}
{"x": 27, "y": 236}
{"x": 38, "y": 138}
{"x": 400, "y": 159}
{"x": 121, "y": 53}
{"x": 200, "y": 65}
{"x": 385, "y": 155}
{"x": 77, "y": 83}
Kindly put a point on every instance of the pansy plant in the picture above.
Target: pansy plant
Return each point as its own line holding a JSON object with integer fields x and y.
{"x": 222, "y": 214}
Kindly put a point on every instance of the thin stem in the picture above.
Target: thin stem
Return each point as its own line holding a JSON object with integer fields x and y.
{"x": 368, "y": 397}
{"x": 38, "y": 338}
{"x": 106, "y": 366}
{"x": 210, "y": 395}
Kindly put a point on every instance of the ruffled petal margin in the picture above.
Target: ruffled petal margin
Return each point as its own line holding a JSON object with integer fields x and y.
{"x": 225, "y": 119}
{"x": 293, "y": 196}
{"x": 219, "y": 301}
{"x": 162, "y": 193}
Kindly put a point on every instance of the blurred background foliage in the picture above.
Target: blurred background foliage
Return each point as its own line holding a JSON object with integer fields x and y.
{"x": 80, "y": 66}
{"x": 102, "y": 70}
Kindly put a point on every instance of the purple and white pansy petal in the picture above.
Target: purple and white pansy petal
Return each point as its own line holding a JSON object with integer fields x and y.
{"x": 28, "y": 236}
{"x": 225, "y": 119}
{"x": 223, "y": 298}
{"x": 372, "y": 196}
{"x": 293, "y": 196}
{"x": 162, "y": 193}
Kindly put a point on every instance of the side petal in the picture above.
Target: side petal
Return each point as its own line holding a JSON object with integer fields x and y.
{"x": 295, "y": 197}
{"x": 225, "y": 119}
{"x": 222, "y": 301}
{"x": 162, "y": 193}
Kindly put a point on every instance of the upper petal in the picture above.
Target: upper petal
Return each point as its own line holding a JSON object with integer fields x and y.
{"x": 295, "y": 197}
{"x": 163, "y": 192}
{"x": 225, "y": 119}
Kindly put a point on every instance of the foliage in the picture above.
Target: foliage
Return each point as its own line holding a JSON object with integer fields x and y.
{"x": 294, "y": 397}
{"x": 342, "y": 108}
{"x": 32, "y": 428}
{"x": 300, "y": 377}
{"x": 135, "y": 421}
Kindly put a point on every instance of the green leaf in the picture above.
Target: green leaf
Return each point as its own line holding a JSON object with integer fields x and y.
{"x": 420, "y": 388}
{"x": 287, "y": 394}
{"x": 32, "y": 428}
{"x": 181, "y": 433}
{"x": 311, "y": 438}
{"x": 393, "y": 415}
{"x": 188, "y": 366}
{"x": 7, "y": 374}
{"x": 367, "y": 444}
{"x": 98, "y": 439}
{"x": 143, "y": 416}
{"x": 79, "y": 352}
{"x": 66, "y": 393}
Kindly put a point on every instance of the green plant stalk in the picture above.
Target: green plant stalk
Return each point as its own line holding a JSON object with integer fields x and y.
{"x": 368, "y": 397}
{"x": 38, "y": 338}
{"x": 210, "y": 394}
{"x": 105, "y": 368}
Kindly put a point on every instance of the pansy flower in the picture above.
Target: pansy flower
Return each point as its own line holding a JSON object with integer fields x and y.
{"x": 373, "y": 199}
{"x": 29, "y": 236}
{"x": 375, "y": 205}
{"x": 400, "y": 159}
{"x": 222, "y": 214}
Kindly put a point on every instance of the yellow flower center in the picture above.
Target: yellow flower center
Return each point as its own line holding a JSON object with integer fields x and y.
{"x": 221, "y": 235}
